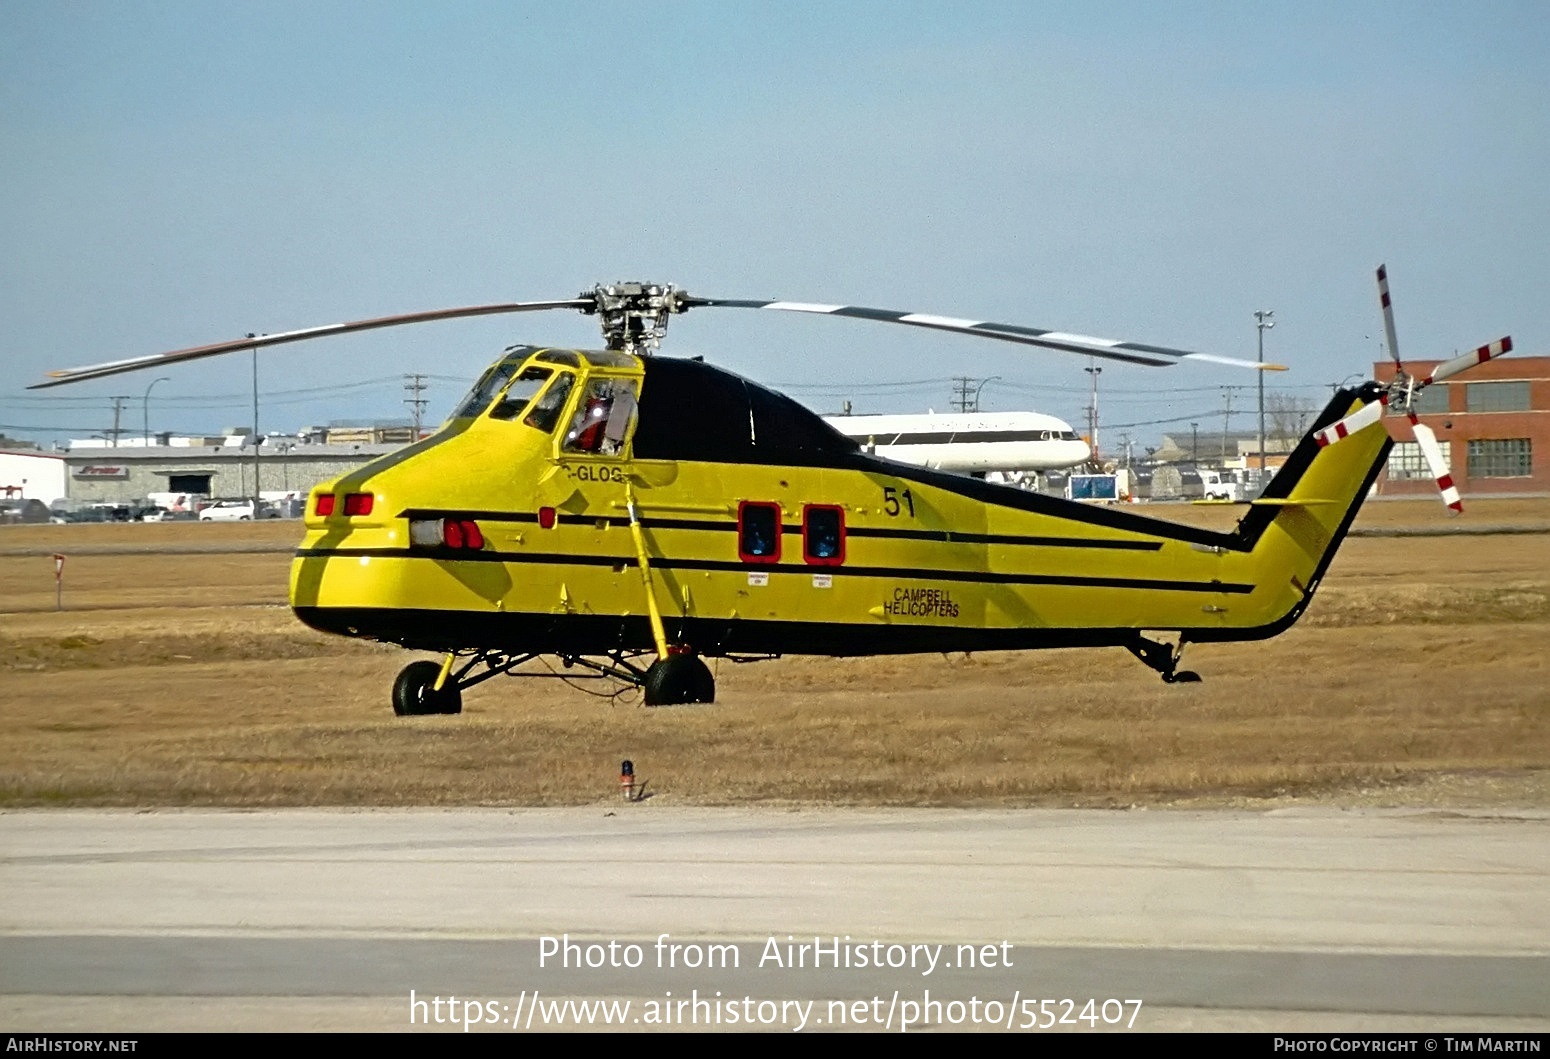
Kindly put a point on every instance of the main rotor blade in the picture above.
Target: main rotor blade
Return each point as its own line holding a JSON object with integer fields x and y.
{"x": 1111, "y": 349}
{"x": 115, "y": 367}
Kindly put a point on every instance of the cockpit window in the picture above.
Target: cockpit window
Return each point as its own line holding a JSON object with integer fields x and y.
{"x": 603, "y": 418}
{"x": 484, "y": 391}
{"x": 546, "y": 410}
{"x": 522, "y": 390}
{"x": 561, "y": 356}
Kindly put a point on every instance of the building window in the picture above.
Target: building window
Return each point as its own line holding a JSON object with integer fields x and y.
{"x": 1406, "y": 462}
{"x": 1501, "y": 458}
{"x": 1433, "y": 400}
{"x": 823, "y": 535}
{"x": 189, "y": 483}
{"x": 1497, "y": 396}
{"x": 758, "y": 532}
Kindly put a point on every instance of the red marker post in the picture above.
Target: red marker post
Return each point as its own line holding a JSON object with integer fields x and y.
{"x": 59, "y": 581}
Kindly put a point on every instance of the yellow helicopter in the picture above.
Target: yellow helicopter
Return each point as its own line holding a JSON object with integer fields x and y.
{"x": 631, "y": 515}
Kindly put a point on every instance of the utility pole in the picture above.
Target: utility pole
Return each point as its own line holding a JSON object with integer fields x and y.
{"x": 118, "y": 406}
{"x": 1226, "y": 420}
{"x": 1262, "y": 321}
{"x": 415, "y": 386}
{"x": 963, "y": 400}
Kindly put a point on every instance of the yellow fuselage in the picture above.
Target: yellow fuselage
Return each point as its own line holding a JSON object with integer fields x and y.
{"x": 926, "y": 561}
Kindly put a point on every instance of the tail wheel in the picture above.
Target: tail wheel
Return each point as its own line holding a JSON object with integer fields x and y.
{"x": 415, "y": 694}
{"x": 677, "y": 680}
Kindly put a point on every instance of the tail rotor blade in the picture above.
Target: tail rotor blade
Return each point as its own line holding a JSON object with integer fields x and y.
{"x": 1388, "y": 312}
{"x": 1469, "y": 360}
{"x": 1426, "y": 438}
{"x": 1364, "y": 416}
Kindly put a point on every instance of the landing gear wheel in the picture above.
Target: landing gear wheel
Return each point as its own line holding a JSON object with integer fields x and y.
{"x": 414, "y": 693}
{"x": 1163, "y": 659}
{"x": 679, "y": 679}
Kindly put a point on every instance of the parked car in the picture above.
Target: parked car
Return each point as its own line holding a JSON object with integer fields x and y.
{"x": 230, "y": 511}
{"x": 96, "y": 514}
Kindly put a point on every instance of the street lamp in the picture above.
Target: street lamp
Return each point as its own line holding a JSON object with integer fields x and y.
{"x": 145, "y": 407}
{"x": 257, "y": 441}
{"x": 1092, "y": 412}
{"x": 980, "y": 387}
{"x": 1262, "y": 321}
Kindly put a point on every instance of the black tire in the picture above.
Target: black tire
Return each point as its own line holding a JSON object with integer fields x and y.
{"x": 413, "y": 694}
{"x": 679, "y": 679}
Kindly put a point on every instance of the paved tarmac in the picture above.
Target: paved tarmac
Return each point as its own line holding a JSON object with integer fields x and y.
{"x": 1292, "y": 920}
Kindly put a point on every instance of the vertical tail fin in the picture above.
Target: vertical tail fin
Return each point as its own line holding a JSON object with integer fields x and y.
{"x": 1294, "y": 528}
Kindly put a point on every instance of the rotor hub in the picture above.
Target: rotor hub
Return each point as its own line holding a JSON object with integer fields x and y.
{"x": 1402, "y": 391}
{"x": 634, "y": 315}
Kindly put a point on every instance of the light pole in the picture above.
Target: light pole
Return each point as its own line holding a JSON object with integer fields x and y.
{"x": 1092, "y": 412}
{"x": 1263, "y": 322}
{"x": 977, "y": 390}
{"x": 145, "y": 407}
{"x": 257, "y": 491}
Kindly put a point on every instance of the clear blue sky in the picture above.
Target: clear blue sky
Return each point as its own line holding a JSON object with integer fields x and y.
{"x": 177, "y": 173}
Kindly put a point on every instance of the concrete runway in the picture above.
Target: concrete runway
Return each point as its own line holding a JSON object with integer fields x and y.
{"x": 1292, "y": 920}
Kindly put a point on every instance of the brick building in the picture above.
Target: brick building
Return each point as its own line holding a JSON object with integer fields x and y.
{"x": 1493, "y": 422}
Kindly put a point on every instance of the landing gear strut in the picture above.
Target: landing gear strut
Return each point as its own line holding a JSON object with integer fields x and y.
{"x": 1163, "y": 658}
{"x": 677, "y": 679}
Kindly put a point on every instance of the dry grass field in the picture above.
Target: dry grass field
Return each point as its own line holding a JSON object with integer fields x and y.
{"x": 176, "y": 675}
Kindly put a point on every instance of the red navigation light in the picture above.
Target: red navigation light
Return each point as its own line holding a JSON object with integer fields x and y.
{"x": 546, "y": 517}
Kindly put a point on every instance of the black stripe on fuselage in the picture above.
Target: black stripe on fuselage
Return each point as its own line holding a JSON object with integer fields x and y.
{"x": 955, "y": 537}
{"x": 884, "y": 533}
{"x": 728, "y": 566}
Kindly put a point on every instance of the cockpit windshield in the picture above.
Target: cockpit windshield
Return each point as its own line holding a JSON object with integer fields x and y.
{"x": 522, "y": 390}
{"x": 546, "y": 410}
{"x": 490, "y": 383}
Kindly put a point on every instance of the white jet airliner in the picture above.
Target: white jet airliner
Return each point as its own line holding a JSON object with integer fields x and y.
{"x": 970, "y": 442}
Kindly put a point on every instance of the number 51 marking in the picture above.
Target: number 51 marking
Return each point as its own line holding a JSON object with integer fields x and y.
{"x": 891, "y": 498}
